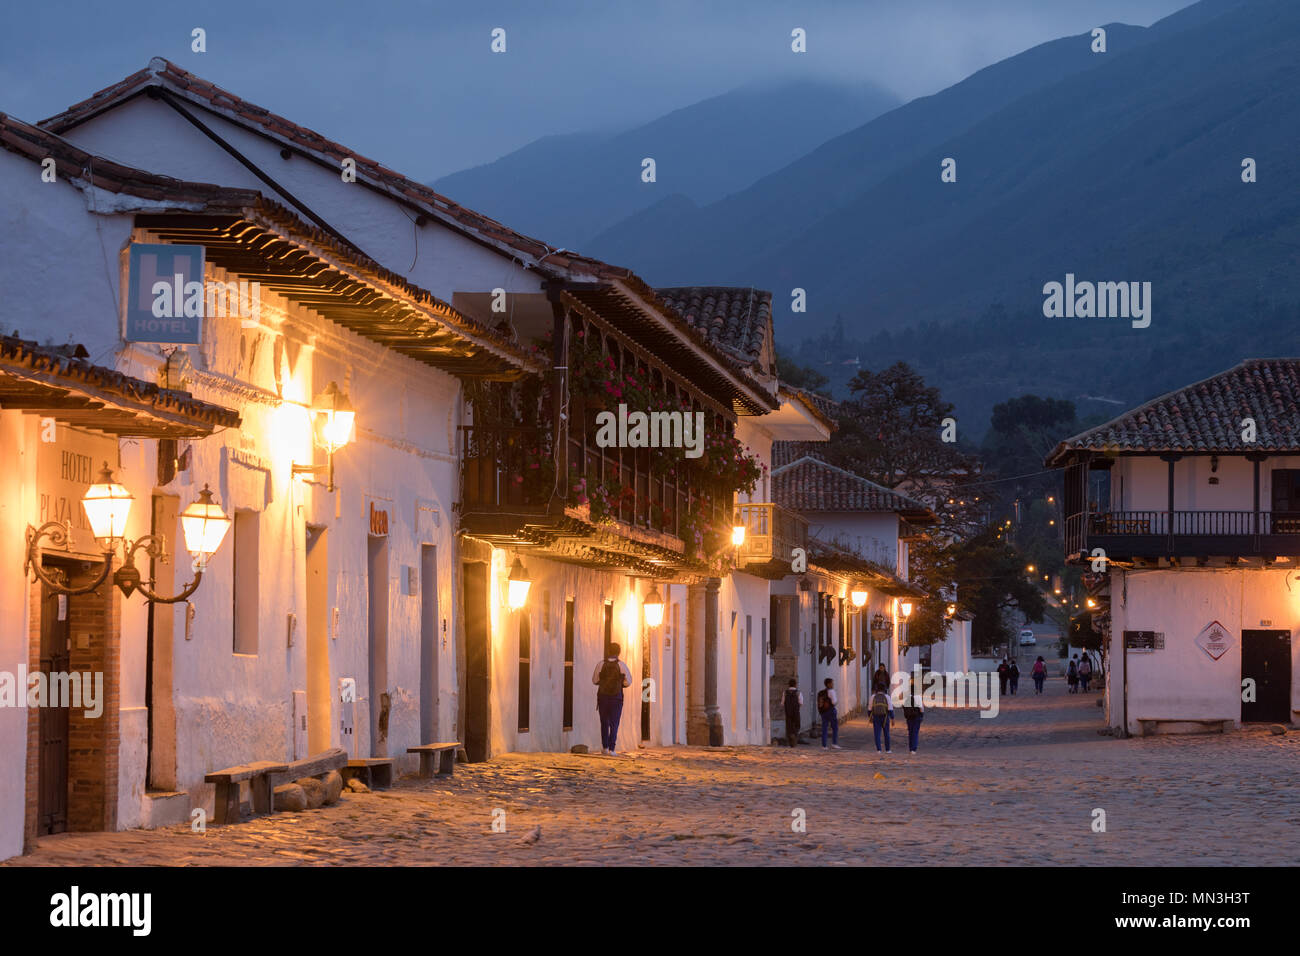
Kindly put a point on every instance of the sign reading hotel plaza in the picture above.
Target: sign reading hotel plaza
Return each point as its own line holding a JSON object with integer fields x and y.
{"x": 165, "y": 295}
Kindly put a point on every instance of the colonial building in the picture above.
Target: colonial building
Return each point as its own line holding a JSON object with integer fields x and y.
{"x": 859, "y": 534}
{"x": 1185, "y": 513}
{"x": 323, "y": 618}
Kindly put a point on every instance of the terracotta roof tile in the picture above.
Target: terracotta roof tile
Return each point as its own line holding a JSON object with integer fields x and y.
{"x": 811, "y": 484}
{"x": 1207, "y": 416}
{"x": 739, "y": 319}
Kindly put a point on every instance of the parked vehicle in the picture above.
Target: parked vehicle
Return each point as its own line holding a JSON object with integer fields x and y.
{"x": 1027, "y": 636}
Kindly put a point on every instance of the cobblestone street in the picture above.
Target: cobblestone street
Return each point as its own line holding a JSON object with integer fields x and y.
{"x": 1018, "y": 789}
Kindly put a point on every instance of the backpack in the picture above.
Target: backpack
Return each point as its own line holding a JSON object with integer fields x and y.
{"x": 880, "y": 704}
{"x": 1039, "y": 668}
{"x": 611, "y": 680}
{"x": 1072, "y": 672}
{"x": 791, "y": 701}
{"x": 823, "y": 701}
{"x": 1085, "y": 668}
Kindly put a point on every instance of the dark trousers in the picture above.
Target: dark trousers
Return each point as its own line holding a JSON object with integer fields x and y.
{"x": 792, "y": 724}
{"x": 1002, "y": 686}
{"x": 879, "y": 724}
{"x": 1084, "y": 682}
{"x": 610, "y": 707}
{"x": 914, "y": 731}
{"x": 1038, "y": 682}
{"x": 1014, "y": 682}
{"x": 831, "y": 722}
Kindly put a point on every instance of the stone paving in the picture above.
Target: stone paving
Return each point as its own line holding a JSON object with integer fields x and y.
{"x": 1017, "y": 789}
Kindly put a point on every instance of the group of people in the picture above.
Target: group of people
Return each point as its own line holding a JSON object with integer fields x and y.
{"x": 1008, "y": 676}
{"x": 1078, "y": 674}
{"x": 880, "y": 707}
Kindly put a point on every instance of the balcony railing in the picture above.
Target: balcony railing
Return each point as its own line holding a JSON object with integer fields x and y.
{"x": 508, "y": 467}
{"x": 1202, "y": 532}
{"x": 771, "y": 532}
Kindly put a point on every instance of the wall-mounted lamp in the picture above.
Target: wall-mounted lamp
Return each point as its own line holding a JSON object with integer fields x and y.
{"x": 738, "y": 535}
{"x": 517, "y": 586}
{"x": 654, "y": 608}
{"x": 108, "y": 504}
{"x": 332, "y": 419}
{"x": 952, "y": 610}
{"x": 1091, "y": 603}
{"x": 905, "y": 609}
{"x": 859, "y": 597}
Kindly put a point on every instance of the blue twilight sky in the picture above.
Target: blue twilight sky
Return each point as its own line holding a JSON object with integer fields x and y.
{"x": 415, "y": 85}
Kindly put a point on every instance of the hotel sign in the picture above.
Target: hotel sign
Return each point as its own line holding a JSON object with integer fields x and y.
{"x": 65, "y": 468}
{"x": 165, "y": 294}
{"x": 1214, "y": 639}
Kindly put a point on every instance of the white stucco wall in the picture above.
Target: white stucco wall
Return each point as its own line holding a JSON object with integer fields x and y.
{"x": 15, "y": 514}
{"x": 1182, "y": 682}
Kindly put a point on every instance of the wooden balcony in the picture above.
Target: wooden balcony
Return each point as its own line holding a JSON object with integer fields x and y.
{"x": 771, "y": 535}
{"x": 1126, "y": 535}
{"x": 515, "y": 491}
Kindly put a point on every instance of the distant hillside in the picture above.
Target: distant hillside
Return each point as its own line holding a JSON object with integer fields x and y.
{"x": 566, "y": 189}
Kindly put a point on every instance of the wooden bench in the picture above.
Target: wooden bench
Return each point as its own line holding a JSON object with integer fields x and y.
{"x": 258, "y": 776}
{"x": 315, "y": 766}
{"x": 375, "y": 772}
{"x": 445, "y": 753}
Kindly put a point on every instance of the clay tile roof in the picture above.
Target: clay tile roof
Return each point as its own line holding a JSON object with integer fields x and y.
{"x": 737, "y": 319}
{"x": 57, "y": 381}
{"x": 552, "y": 263}
{"x": 1206, "y": 417}
{"x": 165, "y": 195}
{"x": 811, "y": 484}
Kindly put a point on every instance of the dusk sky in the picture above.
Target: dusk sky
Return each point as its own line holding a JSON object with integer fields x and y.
{"x": 415, "y": 85}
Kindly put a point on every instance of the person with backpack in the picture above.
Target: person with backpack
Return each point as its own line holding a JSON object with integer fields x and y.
{"x": 826, "y": 704}
{"x": 882, "y": 715}
{"x": 881, "y": 676}
{"x": 1085, "y": 672}
{"x": 1013, "y": 676}
{"x": 1004, "y": 674}
{"x": 1072, "y": 675}
{"x": 1039, "y": 674}
{"x": 610, "y": 677}
{"x": 912, "y": 713}
{"x": 793, "y": 701}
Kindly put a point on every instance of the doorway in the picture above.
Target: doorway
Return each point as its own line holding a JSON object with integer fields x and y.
{"x": 320, "y": 698}
{"x": 56, "y": 653}
{"x": 1266, "y": 658}
{"x": 377, "y": 625}
{"x": 477, "y": 660}
{"x": 429, "y": 644}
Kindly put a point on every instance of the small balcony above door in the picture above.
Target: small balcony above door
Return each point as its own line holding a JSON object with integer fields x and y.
{"x": 771, "y": 535}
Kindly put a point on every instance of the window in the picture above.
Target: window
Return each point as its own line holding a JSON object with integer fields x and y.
{"x": 1286, "y": 489}
{"x": 568, "y": 664}
{"x": 525, "y": 670}
{"x": 244, "y": 557}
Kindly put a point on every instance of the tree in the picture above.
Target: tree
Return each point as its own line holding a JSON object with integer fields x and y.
{"x": 792, "y": 373}
{"x": 991, "y": 580}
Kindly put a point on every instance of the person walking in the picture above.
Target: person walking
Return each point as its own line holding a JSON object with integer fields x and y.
{"x": 882, "y": 715}
{"x": 1004, "y": 674}
{"x": 610, "y": 677}
{"x": 912, "y": 713}
{"x": 793, "y": 702}
{"x": 1013, "y": 676}
{"x": 1072, "y": 675}
{"x": 1039, "y": 674}
{"x": 881, "y": 676}
{"x": 826, "y": 708}
{"x": 1085, "y": 672}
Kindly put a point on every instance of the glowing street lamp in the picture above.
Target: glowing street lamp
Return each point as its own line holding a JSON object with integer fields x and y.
{"x": 108, "y": 504}
{"x": 738, "y": 535}
{"x": 858, "y": 596}
{"x": 333, "y": 417}
{"x": 204, "y": 525}
{"x": 654, "y": 608}
{"x": 905, "y": 608}
{"x": 517, "y": 586}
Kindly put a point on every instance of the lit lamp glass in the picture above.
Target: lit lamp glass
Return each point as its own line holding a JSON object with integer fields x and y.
{"x": 518, "y": 584}
{"x": 654, "y": 608}
{"x": 952, "y": 609}
{"x": 905, "y": 608}
{"x": 858, "y": 596}
{"x": 204, "y": 525}
{"x": 738, "y": 535}
{"x": 107, "y": 506}
{"x": 335, "y": 416}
